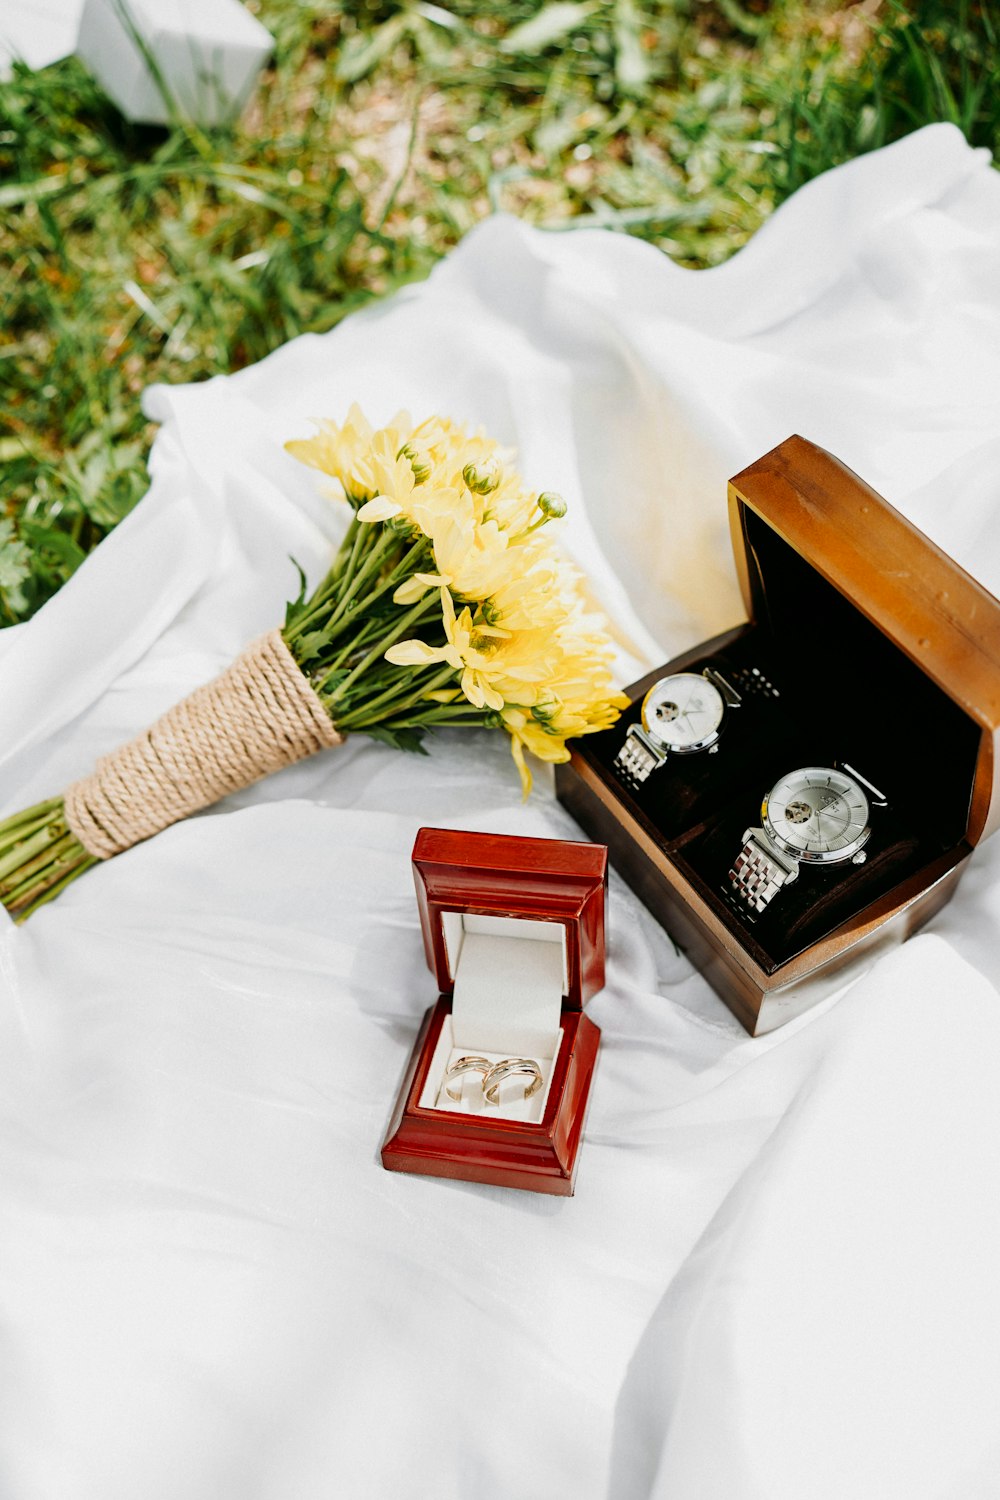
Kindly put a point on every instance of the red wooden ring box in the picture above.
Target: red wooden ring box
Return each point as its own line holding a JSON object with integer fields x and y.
{"x": 514, "y": 933}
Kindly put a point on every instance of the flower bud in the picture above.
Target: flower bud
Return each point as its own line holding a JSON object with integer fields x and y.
{"x": 482, "y": 478}
{"x": 551, "y": 504}
{"x": 491, "y": 613}
{"x": 421, "y": 468}
{"x": 402, "y": 526}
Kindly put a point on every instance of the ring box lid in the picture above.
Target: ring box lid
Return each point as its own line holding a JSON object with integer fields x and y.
{"x": 470, "y": 884}
{"x": 917, "y": 597}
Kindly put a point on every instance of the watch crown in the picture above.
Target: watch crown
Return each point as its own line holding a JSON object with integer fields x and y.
{"x": 859, "y": 858}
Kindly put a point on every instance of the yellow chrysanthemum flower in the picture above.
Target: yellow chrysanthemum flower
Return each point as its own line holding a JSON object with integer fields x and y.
{"x": 344, "y": 452}
{"x": 514, "y": 627}
{"x": 462, "y": 649}
{"x": 473, "y": 561}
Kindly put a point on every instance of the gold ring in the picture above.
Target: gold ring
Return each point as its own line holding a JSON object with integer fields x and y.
{"x": 511, "y": 1067}
{"x": 459, "y": 1069}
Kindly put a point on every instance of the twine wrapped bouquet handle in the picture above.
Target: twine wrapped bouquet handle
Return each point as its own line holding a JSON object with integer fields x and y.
{"x": 378, "y": 647}
{"x": 256, "y": 717}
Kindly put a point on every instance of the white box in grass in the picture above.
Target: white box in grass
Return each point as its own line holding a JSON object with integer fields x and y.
{"x": 159, "y": 60}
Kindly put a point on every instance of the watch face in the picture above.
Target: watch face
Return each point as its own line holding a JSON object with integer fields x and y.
{"x": 818, "y": 814}
{"x": 683, "y": 712}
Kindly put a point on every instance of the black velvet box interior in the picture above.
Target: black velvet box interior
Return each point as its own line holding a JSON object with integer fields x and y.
{"x": 820, "y": 685}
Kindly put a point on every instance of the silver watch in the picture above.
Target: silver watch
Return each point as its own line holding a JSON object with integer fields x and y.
{"x": 681, "y": 714}
{"x": 816, "y": 816}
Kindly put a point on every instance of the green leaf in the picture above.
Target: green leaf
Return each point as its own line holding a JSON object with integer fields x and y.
{"x": 15, "y": 559}
{"x": 59, "y": 543}
{"x": 439, "y": 16}
{"x": 310, "y": 647}
{"x": 399, "y": 739}
{"x": 300, "y": 599}
{"x": 14, "y": 194}
{"x": 550, "y": 25}
{"x": 109, "y": 478}
{"x": 631, "y": 66}
{"x": 741, "y": 19}
{"x": 362, "y": 52}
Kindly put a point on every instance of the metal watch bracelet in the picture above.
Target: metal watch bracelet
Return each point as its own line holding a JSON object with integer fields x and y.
{"x": 759, "y": 872}
{"x": 638, "y": 757}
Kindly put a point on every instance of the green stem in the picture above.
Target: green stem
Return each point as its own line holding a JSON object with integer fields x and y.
{"x": 376, "y": 557}
{"x": 333, "y": 664}
{"x": 404, "y": 688}
{"x": 346, "y": 548}
{"x": 41, "y": 879}
{"x": 343, "y": 567}
{"x": 9, "y": 888}
{"x": 53, "y": 891}
{"x": 39, "y": 813}
{"x": 433, "y": 721}
{"x": 30, "y": 847}
{"x": 401, "y": 570}
{"x": 18, "y": 836}
{"x": 409, "y": 619}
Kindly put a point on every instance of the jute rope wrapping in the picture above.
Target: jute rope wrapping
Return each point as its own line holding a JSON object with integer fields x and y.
{"x": 256, "y": 717}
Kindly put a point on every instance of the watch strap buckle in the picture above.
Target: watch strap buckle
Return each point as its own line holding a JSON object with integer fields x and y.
{"x": 730, "y": 697}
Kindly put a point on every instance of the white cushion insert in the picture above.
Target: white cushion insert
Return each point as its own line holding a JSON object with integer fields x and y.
{"x": 508, "y": 994}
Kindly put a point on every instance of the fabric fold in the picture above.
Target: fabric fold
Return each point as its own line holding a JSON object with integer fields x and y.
{"x": 834, "y": 1330}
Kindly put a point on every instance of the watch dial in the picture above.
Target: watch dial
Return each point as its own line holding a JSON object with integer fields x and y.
{"x": 683, "y": 711}
{"x": 817, "y": 813}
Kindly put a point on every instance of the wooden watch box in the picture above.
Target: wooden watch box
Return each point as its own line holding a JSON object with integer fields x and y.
{"x": 514, "y": 933}
{"x": 867, "y": 647}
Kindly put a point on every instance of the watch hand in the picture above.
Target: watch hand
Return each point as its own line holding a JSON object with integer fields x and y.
{"x": 837, "y": 825}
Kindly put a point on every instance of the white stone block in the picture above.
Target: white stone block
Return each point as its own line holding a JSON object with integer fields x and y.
{"x": 159, "y": 58}
{"x": 37, "y": 32}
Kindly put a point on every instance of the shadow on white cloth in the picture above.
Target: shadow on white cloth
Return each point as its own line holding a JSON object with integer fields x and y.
{"x": 209, "y": 1287}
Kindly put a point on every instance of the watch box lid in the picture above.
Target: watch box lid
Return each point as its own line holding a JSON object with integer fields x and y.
{"x": 502, "y": 875}
{"x": 934, "y": 612}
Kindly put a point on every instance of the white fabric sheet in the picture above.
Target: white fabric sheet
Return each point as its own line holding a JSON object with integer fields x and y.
{"x": 778, "y": 1275}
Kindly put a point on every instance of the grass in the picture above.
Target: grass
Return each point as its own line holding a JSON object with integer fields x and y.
{"x": 380, "y": 135}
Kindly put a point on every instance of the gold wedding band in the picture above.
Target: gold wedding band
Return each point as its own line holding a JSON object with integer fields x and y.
{"x": 511, "y": 1067}
{"x": 459, "y": 1069}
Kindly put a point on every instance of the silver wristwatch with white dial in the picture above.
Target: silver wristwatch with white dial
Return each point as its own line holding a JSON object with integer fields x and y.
{"x": 681, "y": 714}
{"x": 817, "y": 816}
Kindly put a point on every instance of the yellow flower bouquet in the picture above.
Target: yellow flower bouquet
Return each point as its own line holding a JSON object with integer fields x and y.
{"x": 447, "y": 605}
